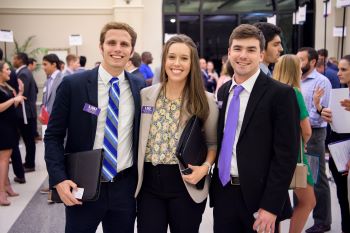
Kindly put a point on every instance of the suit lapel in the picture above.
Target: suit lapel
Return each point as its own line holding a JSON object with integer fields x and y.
{"x": 259, "y": 89}
{"x": 53, "y": 86}
{"x": 224, "y": 94}
{"x": 91, "y": 88}
{"x": 146, "y": 118}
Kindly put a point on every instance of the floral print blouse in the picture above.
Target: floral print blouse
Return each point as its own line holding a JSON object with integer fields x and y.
{"x": 164, "y": 133}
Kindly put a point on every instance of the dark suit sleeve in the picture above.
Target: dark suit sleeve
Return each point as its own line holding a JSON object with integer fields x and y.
{"x": 55, "y": 134}
{"x": 286, "y": 136}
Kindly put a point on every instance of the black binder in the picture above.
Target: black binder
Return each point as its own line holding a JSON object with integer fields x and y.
{"x": 192, "y": 147}
{"x": 84, "y": 169}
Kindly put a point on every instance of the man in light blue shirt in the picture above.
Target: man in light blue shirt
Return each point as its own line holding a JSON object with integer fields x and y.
{"x": 311, "y": 81}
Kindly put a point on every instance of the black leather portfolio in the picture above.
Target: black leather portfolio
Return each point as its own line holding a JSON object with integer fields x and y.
{"x": 84, "y": 169}
{"x": 192, "y": 147}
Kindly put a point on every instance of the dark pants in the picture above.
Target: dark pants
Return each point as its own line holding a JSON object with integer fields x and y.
{"x": 164, "y": 200}
{"x": 28, "y": 134}
{"x": 17, "y": 162}
{"x": 341, "y": 180}
{"x": 230, "y": 213}
{"x": 322, "y": 211}
{"x": 116, "y": 208}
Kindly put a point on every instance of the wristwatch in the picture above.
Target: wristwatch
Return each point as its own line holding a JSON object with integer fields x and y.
{"x": 208, "y": 165}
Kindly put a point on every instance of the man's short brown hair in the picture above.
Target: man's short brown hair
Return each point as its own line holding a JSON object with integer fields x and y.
{"x": 118, "y": 26}
{"x": 246, "y": 31}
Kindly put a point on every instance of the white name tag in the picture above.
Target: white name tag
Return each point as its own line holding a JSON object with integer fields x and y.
{"x": 78, "y": 193}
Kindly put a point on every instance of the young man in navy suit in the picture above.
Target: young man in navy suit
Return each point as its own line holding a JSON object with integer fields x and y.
{"x": 94, "y": 89}
{"x": 258, "y": 142}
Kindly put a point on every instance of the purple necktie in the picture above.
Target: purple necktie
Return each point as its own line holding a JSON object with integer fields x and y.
{"x": 229, "y": 137}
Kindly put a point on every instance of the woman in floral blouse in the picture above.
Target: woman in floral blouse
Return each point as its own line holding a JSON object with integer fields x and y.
{"x": 164, "y": 195}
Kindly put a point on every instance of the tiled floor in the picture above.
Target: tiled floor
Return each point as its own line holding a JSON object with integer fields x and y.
{"x": 30, "y": 213}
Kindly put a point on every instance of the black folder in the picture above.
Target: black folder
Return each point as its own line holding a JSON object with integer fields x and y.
{"x": 192, "y": 147}
{"x": 84, "y": 169}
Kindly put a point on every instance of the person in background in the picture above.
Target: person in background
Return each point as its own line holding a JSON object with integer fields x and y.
{"x": 323, "y": 54}
{"x": 340, "y": 177}
{"x": 8, "y": 137}
{"x": 145, "y": 69}
{"x": 133, "y": 66}
{"x": 16, "y": 157}
{"x": 32, "y": 64}
{"x": 224, "y": 76}
{"x": 165, "y": 196}
{"x": 72, "y": 66}
{"x": 27, "y": 131}
{"x": 82, "y": 63}
{"x": 213, "y": 76}
{"x": 114, "y": 128}
{"x": 273, "y": 45}
{"x": 62, "y": 65}
{"x": 311, "y": 80}
{"x": 330, "y": 73}
{"x": 288, "y": 70}
{"x": 258, "y": 142}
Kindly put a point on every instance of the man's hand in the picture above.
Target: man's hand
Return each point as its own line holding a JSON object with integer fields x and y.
{"x": 265, "y": 222}
{"x": 319, "y": 92}
{"x": 64, "y": 191}
{"x": 198, "y": 172}
{"x": 346, "y": 104}
{"x": 326, "y": 115}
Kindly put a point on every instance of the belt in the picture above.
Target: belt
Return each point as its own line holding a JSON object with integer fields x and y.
{"x": 234, "y": 180}
{"x": 120, "y": 175}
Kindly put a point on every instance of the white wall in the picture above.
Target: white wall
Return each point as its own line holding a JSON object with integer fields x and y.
{"x": 52, "y": 22}
{"x": 335, "y": 19}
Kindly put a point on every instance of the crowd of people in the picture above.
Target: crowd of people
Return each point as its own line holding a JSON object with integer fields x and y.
{"x": 261, "y": 115}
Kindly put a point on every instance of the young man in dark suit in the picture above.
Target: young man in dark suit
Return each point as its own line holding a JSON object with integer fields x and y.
{"x": 87, "y": 130}
{"x": 27, "y": 131}
{"x": 258, "y": 141}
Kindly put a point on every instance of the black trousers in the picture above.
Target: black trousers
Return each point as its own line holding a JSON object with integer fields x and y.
{"x": 341, "y": 182}
{"x": 17, "y": 162}
{"x": 28, "y": 134}
{"x": 231, "y": 215}
{"x": 115, "y": 208}
{"x": 164, "y": 200}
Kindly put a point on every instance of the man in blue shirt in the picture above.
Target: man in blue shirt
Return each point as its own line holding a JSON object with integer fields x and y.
{"x": 311, "y": 80}
{"x": 147, "y": 59}
{"x": 331, "y": 74}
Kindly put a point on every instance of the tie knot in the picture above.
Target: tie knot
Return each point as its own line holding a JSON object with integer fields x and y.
{"x": 238, "y": 89}
{"x": 113, "y": 80}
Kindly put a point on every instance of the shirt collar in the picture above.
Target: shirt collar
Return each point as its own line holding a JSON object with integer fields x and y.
{"x": 264, "y": 68}
{"x": 54, "y": 74}
{"x": 313, "y": 74}
{"x": 19, "y": 68}
{"x": 106, "y": 77}
{"x": 248, "y": 84}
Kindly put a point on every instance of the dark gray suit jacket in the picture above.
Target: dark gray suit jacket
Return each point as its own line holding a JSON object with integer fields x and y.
{"x": 30, "y": 91}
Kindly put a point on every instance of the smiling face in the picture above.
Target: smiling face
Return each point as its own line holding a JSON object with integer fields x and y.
{"x": 116, "y": 51}
{"x": 344, "y": 71}
{"x": 245, "y": 56}
{"x": 178, "y": 63}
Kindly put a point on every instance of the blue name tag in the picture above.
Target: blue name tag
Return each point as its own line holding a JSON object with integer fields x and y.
{"x": 147, "y": 109}
{"x": 91, "y": 109}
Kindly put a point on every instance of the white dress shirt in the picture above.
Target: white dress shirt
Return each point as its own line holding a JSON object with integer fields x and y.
{"x": 243, "y": 101}
{"x": 126, "y": 117}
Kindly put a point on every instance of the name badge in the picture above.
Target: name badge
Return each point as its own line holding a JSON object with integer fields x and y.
{"x": 147, "y": 109}
{"x": 219, "y": 104}
{"x": 91, "y": 109}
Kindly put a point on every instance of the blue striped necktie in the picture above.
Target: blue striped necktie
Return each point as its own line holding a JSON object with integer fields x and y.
{"x": 110, "y": 140}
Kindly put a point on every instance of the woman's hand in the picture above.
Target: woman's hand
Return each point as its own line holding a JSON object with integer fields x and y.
{"x": 19, "y": 99}
{"x": 346, "y": 104}
{"x": 326, "y": 115}
{"x": 198, "y": 172}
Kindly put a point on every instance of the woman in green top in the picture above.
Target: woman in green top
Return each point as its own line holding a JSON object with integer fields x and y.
{"x": 288, "y": 70}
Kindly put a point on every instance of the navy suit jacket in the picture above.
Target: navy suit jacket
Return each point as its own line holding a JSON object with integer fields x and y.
{"x": 68, "y": 117}
{"x": 30, "y": 91}
{"x": 267, "y": 146}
